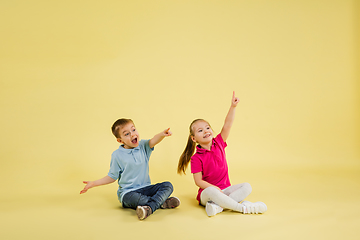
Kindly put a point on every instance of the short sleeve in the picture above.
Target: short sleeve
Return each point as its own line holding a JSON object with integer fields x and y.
{"x": 220, "y": 141}
{"x": 115, "y": 169}
{"x": 145, "y": 145}
{"x": 196, "y": 164}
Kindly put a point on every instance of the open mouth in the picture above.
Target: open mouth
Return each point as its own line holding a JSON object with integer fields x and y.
{"x": 134, "y": 141}
{"x": 207, "y": 135}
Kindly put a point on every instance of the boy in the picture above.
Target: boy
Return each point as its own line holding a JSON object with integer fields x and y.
{"x": 130, "y": 166}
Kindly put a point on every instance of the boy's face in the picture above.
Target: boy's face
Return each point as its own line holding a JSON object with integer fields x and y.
{"x": 203, "y": 133}
{"x": 129, "y": 136}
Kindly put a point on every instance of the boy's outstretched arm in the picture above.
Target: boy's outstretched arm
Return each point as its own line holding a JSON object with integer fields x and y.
{"x": 91, "y": 184}
{"x": 159, "y": 137}
{"x": 225, "y": 131}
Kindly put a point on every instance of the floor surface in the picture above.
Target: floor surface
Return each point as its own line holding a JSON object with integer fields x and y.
{"x": 302, "y": 204}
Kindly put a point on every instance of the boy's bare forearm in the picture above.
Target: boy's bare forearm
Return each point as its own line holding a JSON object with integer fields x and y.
{"x": 99, "y": 182}
{"x": 156, "y": 139}
{"x": 103, "y": 181}
{"x": 159, "y": 137}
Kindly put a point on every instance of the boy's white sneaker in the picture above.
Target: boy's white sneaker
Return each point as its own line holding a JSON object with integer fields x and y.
{"x": 254, "y": 208}
{"x": 212, "y": 209}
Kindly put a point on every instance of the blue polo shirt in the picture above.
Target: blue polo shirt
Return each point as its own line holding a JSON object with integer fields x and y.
{"x": 131, "y": 167}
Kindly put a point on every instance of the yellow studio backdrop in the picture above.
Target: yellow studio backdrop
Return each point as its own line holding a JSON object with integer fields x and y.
{"x": 69, "y": 69}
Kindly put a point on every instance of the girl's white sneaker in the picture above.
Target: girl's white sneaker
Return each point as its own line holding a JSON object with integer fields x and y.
{"x": 212, "y": 209}
{"x": 254, "y": 208}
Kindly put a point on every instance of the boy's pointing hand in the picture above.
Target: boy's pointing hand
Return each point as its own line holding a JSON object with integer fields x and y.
{"x": 167, "y": 132}
{"x": 159, "y": 137}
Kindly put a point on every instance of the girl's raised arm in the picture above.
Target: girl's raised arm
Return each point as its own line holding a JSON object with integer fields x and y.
{"x": 225, "y": 131}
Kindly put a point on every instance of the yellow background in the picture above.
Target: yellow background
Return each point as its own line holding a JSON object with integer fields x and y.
{"x": 69, "y": 69}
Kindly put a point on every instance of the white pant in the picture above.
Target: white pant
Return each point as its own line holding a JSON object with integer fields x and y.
{"x": 229, "y": 198}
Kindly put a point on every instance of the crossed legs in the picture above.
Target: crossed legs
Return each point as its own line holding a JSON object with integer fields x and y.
{"x": 229, "y": 198}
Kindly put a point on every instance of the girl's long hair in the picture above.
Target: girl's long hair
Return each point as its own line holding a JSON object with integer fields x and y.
{"x": 189, "y": 150}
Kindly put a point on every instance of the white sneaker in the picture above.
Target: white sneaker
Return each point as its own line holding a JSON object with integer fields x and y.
{"x": 254, "y": 208}
{"x": 212, "y": 209}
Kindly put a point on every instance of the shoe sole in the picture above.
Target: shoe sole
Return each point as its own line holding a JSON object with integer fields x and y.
{"x": 140, "y": 212}
{"x": 172, "y": 203}
{"x": 248, "y": 210}
{"x": 211, "y": 211}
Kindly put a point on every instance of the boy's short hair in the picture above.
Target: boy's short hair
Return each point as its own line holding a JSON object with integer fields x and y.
{"x": 117, "y": 125}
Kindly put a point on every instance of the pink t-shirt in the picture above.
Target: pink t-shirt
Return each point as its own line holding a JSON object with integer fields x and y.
{"x": 212, "y": 164}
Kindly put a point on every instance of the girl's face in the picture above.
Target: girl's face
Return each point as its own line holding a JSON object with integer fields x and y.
{"x": 203, "y": 133}
{"x": 129, "y": 136}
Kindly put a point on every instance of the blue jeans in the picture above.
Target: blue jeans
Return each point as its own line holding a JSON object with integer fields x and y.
{"x": 153, "y": 196}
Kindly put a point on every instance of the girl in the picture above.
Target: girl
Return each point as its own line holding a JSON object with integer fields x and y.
{"x": 210, "y": 169}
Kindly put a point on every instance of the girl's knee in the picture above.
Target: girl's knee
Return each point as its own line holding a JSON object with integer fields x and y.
{"x": 210, "y": 190}
{"x": 208, "y": 194}
{"x": 247, "y": 187}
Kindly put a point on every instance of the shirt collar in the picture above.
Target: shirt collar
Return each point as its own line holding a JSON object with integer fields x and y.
{"x": 199, "y": 149}
{"x": 126, "y": 150}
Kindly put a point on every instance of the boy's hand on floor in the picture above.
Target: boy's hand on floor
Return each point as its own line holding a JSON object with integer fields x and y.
{"x": 89, "y": 184}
